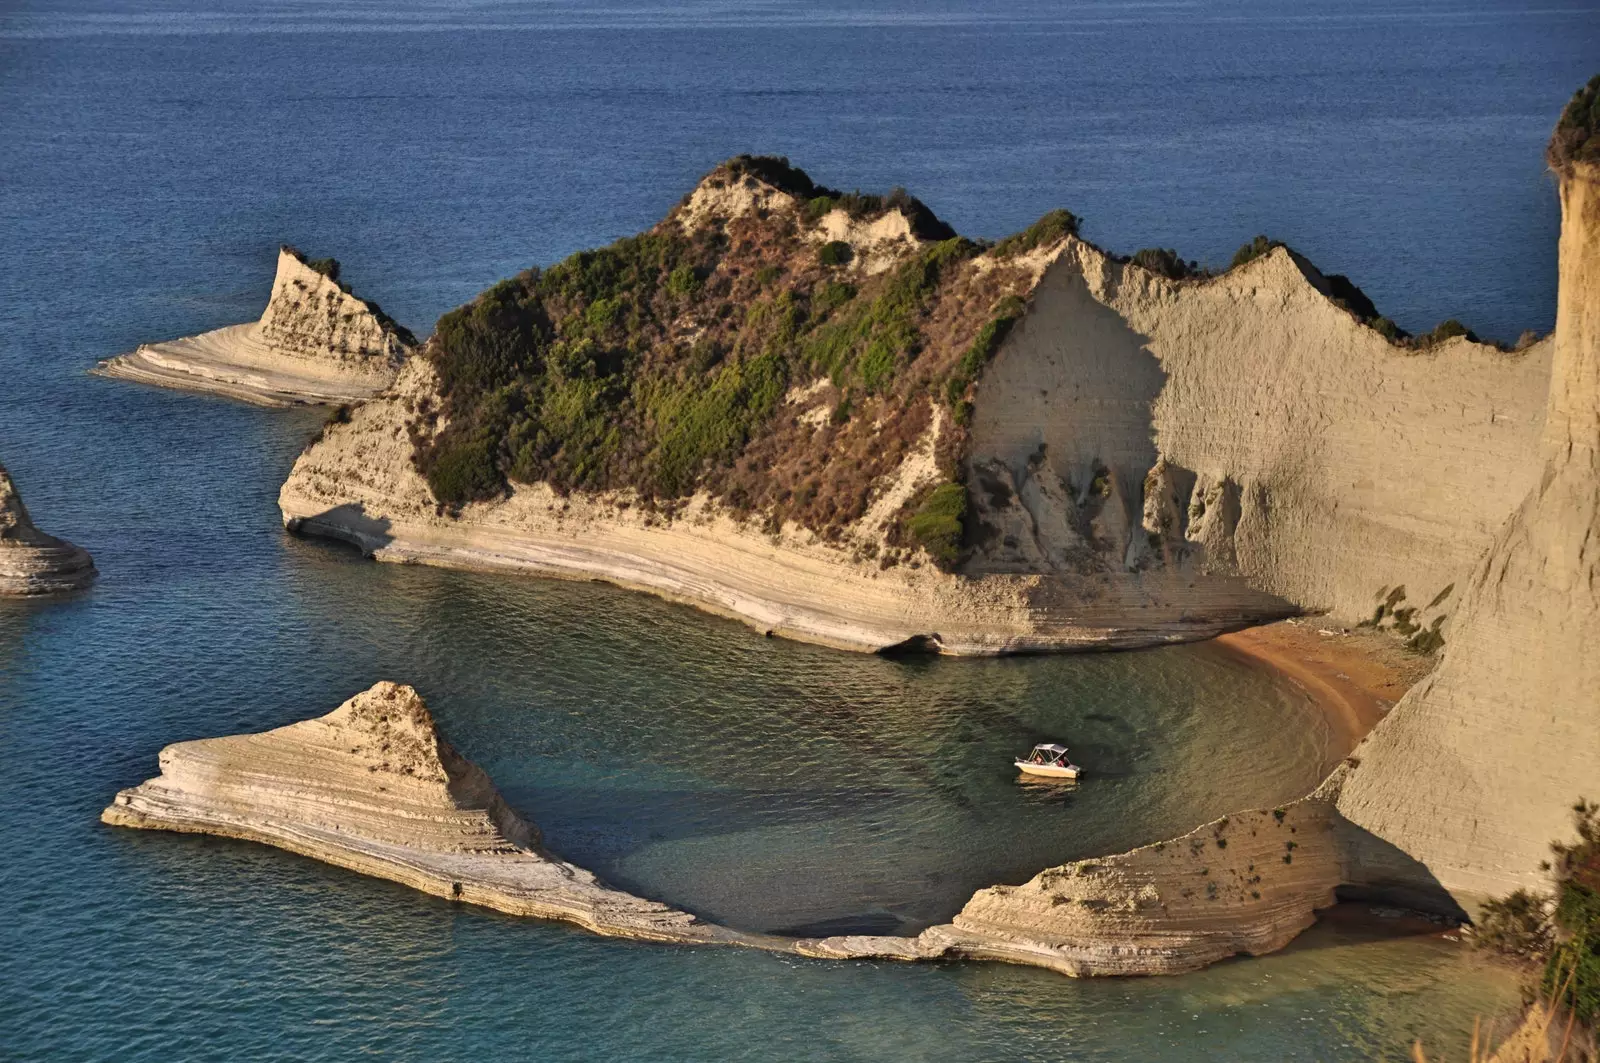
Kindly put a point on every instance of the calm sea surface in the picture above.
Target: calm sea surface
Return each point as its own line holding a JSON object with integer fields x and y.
{"x": 153, "y": 156}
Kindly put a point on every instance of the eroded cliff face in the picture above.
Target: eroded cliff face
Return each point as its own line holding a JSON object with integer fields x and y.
{"x": 32, "y": 562}
{"x": 359, "y": 483}
{"x": 1247, "y": 424}
{"x": 1476, "y": 770}
{"x": 315, "y": 343}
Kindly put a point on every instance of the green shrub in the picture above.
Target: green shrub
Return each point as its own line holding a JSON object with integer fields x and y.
{"x": 1386, "y": 328}
{"x": 1346, "y": 293}
{"x": 1006, "y": 314}
{"x": 776, "y": 171}
{"x": 464, "y": 470}
{"x": 1518, "y": 925}
{"x": 835, "y": 253}
{"x": 1164, "y": 261}
{"x": 829, "y": 297}
{"x": 1577, "y": 134}
{"x": 328, "y": 267}
{"x": 685, "y": 281}
{"x": 938, "y": 525}
{"x": 1446, "y": 330}
{"x": 1253, "y": 250}
{"x": 1054, "y": 226}
{"x": 1572, "y": 974}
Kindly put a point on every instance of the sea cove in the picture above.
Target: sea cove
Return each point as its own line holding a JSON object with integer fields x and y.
{"x": 763, "y": 784}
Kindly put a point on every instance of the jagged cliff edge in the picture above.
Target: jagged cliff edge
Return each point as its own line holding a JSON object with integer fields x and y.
{"x": 316, "y": 342}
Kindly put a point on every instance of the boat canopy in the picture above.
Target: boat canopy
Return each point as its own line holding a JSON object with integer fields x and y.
{"x": 1051, "y": 748}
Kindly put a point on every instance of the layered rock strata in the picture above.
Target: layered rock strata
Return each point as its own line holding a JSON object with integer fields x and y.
{"x": 1252, "y": 426}
{"x": 374, "y": 788}
{"x": 1144, "y": 460}
{"x": 1456, "y": 794}
{"x": 359, "y": 484}
{"x": 1476, "y": 770}
{"x": 315, "y": 343}
{"x": 1244, "y": 884}
{"x": 32, "y": 562}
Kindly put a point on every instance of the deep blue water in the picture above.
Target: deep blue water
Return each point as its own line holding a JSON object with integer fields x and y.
{"x": 151, "y": 159}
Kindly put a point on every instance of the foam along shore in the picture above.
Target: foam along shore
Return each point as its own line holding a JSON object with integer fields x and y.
{"x": 32, "y": 562}
{"x": 373, "y": 787}
{"x": 315, "y": 343}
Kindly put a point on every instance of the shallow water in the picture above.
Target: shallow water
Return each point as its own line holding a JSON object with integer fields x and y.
{"x": 155, "y": 156}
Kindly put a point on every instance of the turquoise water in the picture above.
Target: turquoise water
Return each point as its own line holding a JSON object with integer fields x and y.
{"x": 155, "y": 156}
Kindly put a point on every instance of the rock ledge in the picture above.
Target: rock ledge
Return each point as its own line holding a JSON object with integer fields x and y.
{"x": 315, "y": 343}
{"x": 374, "y": 788}
{"x": 32, "y": 562}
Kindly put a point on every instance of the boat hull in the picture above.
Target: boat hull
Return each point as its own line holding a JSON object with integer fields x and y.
{"x": 1051, "y": 771}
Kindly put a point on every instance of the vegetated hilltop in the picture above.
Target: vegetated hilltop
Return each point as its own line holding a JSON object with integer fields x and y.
{"x": 784, "y": 348}
{"x": 775, "y": 343}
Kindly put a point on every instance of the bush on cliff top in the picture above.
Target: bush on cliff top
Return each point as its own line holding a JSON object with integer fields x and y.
{"x": 1054, "y": 226}
{"x": 1253, "y": 250}
{"x": 1165, "y": 262}
{"x": 1577, "y": 134}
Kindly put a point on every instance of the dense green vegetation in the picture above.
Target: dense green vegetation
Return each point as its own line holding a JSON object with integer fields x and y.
{"x": 865, "y": 342}
{"x": 1047, "y": 230}
{"x": 835, "y": 253}
{"x": 541, "y": 378}
{"x": 1577, "y": 135}
{"x": 1560, "y": 933}
{"x": 653, "y": 363}
{"x": 1445, "y": 330}
{"x": 939, "y": 524}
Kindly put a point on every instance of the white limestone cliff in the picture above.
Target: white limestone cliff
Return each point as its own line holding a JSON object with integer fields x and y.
{"x": 315, "y": 343}
{"x": 374, "y": 788}
{"x": 1476, "y": 771}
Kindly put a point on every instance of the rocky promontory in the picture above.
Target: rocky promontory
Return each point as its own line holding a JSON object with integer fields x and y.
{"x": 32, "y": 562}
{"x": 830, "y": 416}
{"x": 1244, "y": 884}
{"x": 374, "y": 788}
{"x": 315, "y": 343}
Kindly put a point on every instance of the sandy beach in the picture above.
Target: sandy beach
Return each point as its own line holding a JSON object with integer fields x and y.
{"x": 1355, "y": 676}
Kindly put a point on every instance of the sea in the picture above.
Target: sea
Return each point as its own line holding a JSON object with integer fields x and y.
{"x": 153, "y": 156}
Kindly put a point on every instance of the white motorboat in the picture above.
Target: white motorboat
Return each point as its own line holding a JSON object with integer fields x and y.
{"x": 1050, "y": 760}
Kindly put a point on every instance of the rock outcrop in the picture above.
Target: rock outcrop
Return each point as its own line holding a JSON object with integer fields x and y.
{"x": 32, "y": 562}
{"x": 1140, "y": 460}
{"x": 359, "y": 484}
{"x": 374, "y": 788}
{"x": 315, "y": 343}
{"x": 1244, "y": 884}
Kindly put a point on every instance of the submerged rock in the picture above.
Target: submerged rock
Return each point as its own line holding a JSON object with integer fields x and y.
{"x": 32, "y": 562}
{"x": 373, "y": 787}
{"x": 315, "y": 343}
